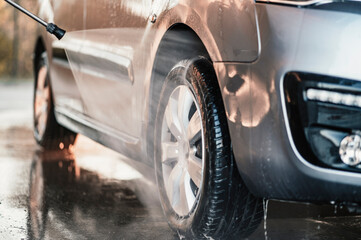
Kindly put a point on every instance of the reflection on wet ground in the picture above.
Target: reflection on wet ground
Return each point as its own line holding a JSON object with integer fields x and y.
{"x": 95, "y": 193}
{"x": 70, "y": 202}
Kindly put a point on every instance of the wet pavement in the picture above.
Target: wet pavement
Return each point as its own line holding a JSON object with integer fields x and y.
{"x": 95, "y": 193}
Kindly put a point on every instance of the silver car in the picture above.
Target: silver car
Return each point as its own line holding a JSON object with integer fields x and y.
{"x": 231, "y": 101}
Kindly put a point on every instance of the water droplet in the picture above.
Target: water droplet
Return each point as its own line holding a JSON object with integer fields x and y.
{"x": 265, "y": 209}
{"x": 180, "y": 235}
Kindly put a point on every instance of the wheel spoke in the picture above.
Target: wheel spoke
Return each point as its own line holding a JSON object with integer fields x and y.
{"x": 38, "y": 110}
{"x": 42, "y": 77}
{"x": 170, "y": 152}
{"x": 39, "y": 93}
{"x": 42, "y": 95}
{"x": 172, "y": 118}
{"x": 185, "y": 102}
{"x": 46, "y": 93}
{"x": 195, "y": 169}
{"x": 173, "y": 185}
{"x": 38, "y": 114}
{"x": 41, "y": 124}
{"x": 183, "y": 204}
{"x": 194, "y": 130}
{"x": 191, "y": 196}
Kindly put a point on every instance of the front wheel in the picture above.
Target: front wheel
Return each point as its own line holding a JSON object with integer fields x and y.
{"x": 201, "y": 191}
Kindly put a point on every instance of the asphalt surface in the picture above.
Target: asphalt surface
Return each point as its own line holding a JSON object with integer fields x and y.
{"x": 95, "y": 193}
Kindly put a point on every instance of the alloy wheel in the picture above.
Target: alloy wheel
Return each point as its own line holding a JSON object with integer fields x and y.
{"x": 182, "y": 145}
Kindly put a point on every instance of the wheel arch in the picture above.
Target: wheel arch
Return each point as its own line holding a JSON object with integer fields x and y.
{"x": 179, "y": 42}
{"x": 167, "y": 55}
{"x": 39, "y": 48}
{"x": 175, "y": 36}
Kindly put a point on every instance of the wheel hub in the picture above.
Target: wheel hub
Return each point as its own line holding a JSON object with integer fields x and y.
{"x": 184, "y": 155}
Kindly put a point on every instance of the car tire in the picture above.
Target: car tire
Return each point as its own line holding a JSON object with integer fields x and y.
{"x": 201, "y": 191}
{"x": 47, "y": 132}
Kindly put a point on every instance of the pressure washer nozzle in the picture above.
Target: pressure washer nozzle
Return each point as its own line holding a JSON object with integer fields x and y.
{"x": 50, "y": 27}
{"x": 57, "y": 31}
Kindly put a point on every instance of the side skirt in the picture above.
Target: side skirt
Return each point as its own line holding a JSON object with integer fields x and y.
{"x": 127, "y": 145}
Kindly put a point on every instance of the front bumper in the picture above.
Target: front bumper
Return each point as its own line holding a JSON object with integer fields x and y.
{"x": 292, "y": 40}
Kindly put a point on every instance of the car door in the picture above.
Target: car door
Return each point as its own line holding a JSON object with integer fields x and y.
{"x": 64, "y": 86}
{"x": 108, "y": 83}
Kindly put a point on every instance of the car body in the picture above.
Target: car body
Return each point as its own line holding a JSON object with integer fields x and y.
{"x": 266, "y": 54}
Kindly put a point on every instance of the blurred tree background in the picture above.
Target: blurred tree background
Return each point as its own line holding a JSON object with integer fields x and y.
{"x": 17, "y": 40}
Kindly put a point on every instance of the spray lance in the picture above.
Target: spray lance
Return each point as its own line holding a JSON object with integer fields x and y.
{"x": 50, "y": 27}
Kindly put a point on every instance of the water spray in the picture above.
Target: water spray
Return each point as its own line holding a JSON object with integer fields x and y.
{"x": 50, "y": 27}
